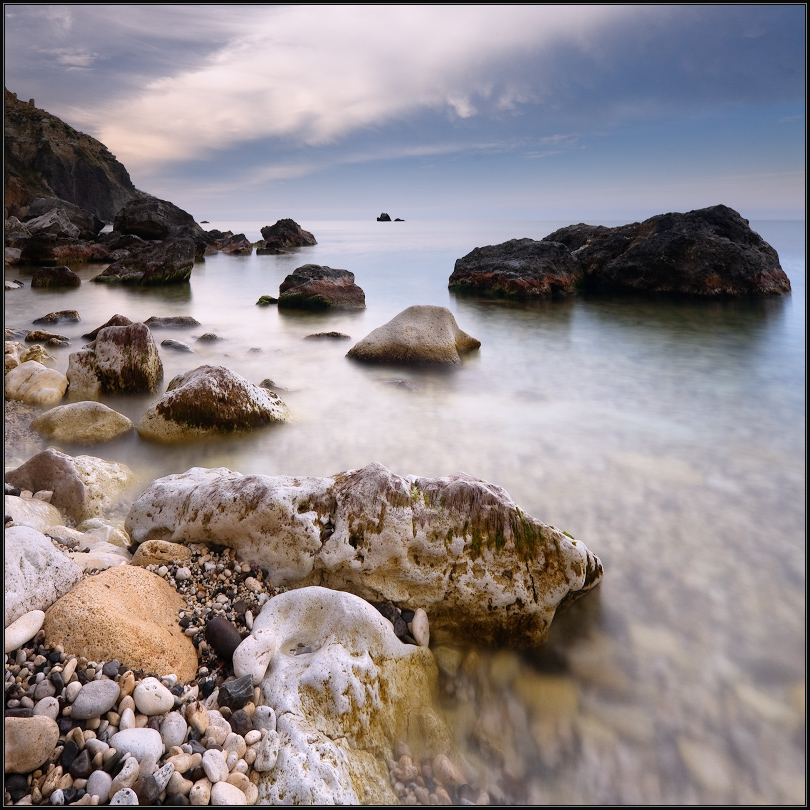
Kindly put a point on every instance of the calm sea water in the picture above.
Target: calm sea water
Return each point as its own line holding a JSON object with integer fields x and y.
{"x": 667, "y": 435}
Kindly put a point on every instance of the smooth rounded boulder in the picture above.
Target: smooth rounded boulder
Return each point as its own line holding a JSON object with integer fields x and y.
{"x": 35, "y": 384}
{"x": 82, "y": 423}
{"x": 125, "y": 613}
{"x": 315, "y": 286}
{"x": 419, "y": 334}
{"x": 210, "y": 400}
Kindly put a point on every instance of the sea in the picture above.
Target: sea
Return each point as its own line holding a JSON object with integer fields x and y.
{"x": 667, "y": 434}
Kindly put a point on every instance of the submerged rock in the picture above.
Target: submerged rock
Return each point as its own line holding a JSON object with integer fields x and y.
{"x": 82, "y": 422}
{"x": 167, "y": 262}
{"x": 710, "y": 251}
{"x": 34, "y": 384}
{"x": 55, "y": 277}
{"x": 458, "y": 547}
{"x": 315, "y": 286}
{"x": 519, "y": 268}
{"x": 116, "y": 320}
{"x": 286, "y": 233}
{"x": 419, "y": 334}
{"x": 121, "y": 360}
{"x": 345, "y": 691}
{"x": 210, "y": 400}
{"x": 69, "y": 315}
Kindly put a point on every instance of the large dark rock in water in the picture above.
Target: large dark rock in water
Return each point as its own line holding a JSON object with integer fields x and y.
{"x": 383, "y": 217}
{"x": 711, "y": 251}
{"x": 286, "y": 233}
{"x": 88, "y": 224}
{"x": 151, "y": 218}
{"x": 315, "y": 286}
{"x": 519, "y": 268}
{"x": 168, "y": 262}
{"x": 55, "y": 277}
{"x": 44, "y": 157}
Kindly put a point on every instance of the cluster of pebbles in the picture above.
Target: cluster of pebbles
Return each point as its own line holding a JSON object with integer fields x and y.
{"x": 130, "y": 737}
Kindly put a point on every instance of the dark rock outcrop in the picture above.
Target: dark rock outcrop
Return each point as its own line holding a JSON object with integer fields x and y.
{"x": 710, "y": 251}
{"x": 237, "y": 244}
{"x": 69, "y": 315}
{"x": 44, "y": 157}
{"x": 286, "y": 233}
{"x": 151, "y": 218}
{"x": 55, "y": 277}
{"x": 88, "y": 224}
{"x": 116, "y": 320}
{"x": 519, "y": 268}
{"x": 315, "y": 286}
{"x": 171, "y": 321}
{"x": 49, "y": 249}
{"x": 168, "y": 262}
{"x": 383, "y": 218}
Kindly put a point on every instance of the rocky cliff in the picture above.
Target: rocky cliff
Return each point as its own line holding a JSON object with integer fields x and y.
{"x": 44, "y": 157}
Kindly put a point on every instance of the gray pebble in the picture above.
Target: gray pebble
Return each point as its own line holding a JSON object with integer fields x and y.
{"x": 98, "y": 784}
{"x": 95, "y": 698}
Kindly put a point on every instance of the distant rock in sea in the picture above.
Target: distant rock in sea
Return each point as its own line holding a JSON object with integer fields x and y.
{"x": 383, "y": 218}
{"x": 286, "y": 233}
{"x": 315, "y": 286}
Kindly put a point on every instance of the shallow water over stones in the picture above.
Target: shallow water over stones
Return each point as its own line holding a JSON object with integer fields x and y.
{"x": 666, "y": 434}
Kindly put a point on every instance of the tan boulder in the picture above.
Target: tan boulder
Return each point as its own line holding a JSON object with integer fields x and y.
{"x": 159, "y": 552}
{"x": 419, "y": 334}
{"x": 35, "y": 384}
{"x": 82, "y": 422}
{"x": 33, "y": 512}
{"x": 29, "y": 742}
{"x": 128, "y": 613}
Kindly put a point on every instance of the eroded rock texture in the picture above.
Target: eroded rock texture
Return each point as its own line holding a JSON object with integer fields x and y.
{"x": 459, "y": 547}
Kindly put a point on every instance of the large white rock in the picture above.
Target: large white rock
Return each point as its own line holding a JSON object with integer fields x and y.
{"x": 33, "y": 512}
{"x": 419, "y": 334}
{"x": 82, "y": 422}
{"x": 36, "y": 574}
{"x": 82, "y": 486}
{"x": 35, "y": 384}
{"x": 210, "y": 400}
{"x": 457, "y": 547}
{"x": 345, "y": 691}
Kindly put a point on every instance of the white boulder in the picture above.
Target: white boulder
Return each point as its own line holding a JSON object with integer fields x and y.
{"x": 35, "y": 384}
{"x": 419, "y": 334}
{"x": 36, "y": 574}
{"x": 82, "y": 422}
{"x": 345, "y": 691}
{"x": 457, "y": 547}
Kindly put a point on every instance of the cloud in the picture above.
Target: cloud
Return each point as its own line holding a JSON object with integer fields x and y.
{"x": 73, "y": 58}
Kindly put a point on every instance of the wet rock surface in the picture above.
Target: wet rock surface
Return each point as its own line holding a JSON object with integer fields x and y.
{"x": 315, "y": 286}
{"x": 286, "y": 233}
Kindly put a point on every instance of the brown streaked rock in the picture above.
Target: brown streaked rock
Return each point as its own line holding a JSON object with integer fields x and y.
{"x": 158, "y": 552}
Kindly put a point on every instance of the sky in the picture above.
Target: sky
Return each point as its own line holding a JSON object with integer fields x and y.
{"x": 576, "y": 113}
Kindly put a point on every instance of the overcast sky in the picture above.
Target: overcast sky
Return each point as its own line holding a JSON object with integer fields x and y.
{"x": 579, "y": 113}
